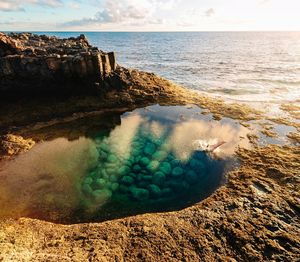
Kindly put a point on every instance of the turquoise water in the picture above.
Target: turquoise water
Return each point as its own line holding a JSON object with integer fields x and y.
{"x": 154, "y": 159}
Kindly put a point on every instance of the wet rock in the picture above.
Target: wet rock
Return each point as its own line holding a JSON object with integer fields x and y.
{"x": 100, "y": 183}
{"x": 154, "y": 190}
{"x": 139, "y": 194}
{"x": 153, "y": 165}
{"x": 114, "y": 186}
{"x": 158, "y": 178}
{"x": 101, "y": 196}
{"x": 87, "y": 189}
{"x": 127, "y": 180}
{"x": 177, "y": 171}
{"x": 149, "y": 149}
{"x": 123, "y": 170}
{"x": 144, "y": 161}
{"x": 137, "y": 168}
{"x": 166, "y": 168}
{"x": 160, "y": 155}
{"x": 191, "y": 177}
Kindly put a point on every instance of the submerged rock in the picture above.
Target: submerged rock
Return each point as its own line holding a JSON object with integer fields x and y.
{"x": 139, "y": 194}
{"x": 165, "y": 167}
{"x": 177, "y": 171}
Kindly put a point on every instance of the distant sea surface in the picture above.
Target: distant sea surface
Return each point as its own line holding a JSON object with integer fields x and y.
{"x": 241, "y": 66}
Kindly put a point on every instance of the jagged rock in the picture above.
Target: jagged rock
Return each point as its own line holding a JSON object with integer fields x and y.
{"x": 31, "y": 63}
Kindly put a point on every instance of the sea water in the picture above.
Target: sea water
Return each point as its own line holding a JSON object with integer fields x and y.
{"x": 250, "y": 67}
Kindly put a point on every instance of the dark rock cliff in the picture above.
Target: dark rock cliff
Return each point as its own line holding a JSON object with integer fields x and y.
{"x": 31, "y": 63}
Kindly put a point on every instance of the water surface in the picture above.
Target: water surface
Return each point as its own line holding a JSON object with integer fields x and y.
{"x": 154, "y": 159}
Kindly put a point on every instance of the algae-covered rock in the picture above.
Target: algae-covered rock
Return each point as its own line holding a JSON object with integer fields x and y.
{"x": 100, "y": 183}
{"x": 166, "y": 168}
{"x": 113, "y": 178}
{"x": 139, "y": 194}
{"x": 101, "y": 195}
{"x": 136, "y": 168}
{"x": 87, "y": 189}
{"x": 175, "y": 163}
{"x": 123, "y": 170}
{"x": 177, "y": 171}
{"x": 88, "y": 180}
{"x": 143, "y": 184}
{"x": 154, "y": 190}
{"x": 112, "y": 158}
{"x": 153, "y": 165}
{"x": 146, "y": 177}
{"x": 149, "y": 149}
{"x": 144, "y": 161}
{"x": 127, "y": 180}
{"x": 158, "y": 178}
{"x": 114, "y": 186}
{"x": 159, "y": 155}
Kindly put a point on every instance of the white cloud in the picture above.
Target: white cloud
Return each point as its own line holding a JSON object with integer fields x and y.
{"x": 126, "y": 12}
{"x": 209, "y": 12}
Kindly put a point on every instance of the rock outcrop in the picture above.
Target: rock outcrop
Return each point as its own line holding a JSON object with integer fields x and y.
{"x": 31, "y": 63}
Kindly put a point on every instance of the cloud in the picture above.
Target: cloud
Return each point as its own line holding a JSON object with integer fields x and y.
{"x": 209, "y": 12}
{"x": 126, "y": 12}
{"x": 18, "y": 5}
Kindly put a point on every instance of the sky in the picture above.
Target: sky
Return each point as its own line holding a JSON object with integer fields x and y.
{"x": 149, "y": 15}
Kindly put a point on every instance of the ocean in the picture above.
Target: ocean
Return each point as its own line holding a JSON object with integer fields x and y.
{"x": 251, "y": 67}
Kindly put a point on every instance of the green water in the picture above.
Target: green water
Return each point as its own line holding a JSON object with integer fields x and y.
{"x": 145, "y": 176}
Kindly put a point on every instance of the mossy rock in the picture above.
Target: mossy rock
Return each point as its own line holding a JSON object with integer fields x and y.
{"x": 149, "y": 149}
{"x": 127, "y": 180}
{"x": 158, "y": 178}
{"x": 139, "y": 194}
{"x": 177, "y": 171}
{"x": 144, "y": 161}
{"x": 154, "y": 190}
{"x": 166, "y": 168}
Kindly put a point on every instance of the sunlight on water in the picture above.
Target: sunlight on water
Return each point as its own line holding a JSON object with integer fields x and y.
{"x": 147, "y": 164}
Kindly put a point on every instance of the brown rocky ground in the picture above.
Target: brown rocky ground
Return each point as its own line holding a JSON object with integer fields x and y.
{"x": 253, "y": 217}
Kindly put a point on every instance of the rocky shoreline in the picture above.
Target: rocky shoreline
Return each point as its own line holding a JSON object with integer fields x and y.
{"x": 30, "y": 64}
{"x": 255, "y": 216}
